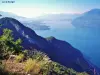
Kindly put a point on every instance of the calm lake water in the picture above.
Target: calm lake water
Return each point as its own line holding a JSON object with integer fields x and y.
{"x": 86, "y": 40}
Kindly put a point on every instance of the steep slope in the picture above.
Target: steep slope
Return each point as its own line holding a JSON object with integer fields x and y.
{"x": 18, "y": 29}
{"x": 59, "y": 51}
{"x": 90, "y": 19}
{"x": 73, "y": 57}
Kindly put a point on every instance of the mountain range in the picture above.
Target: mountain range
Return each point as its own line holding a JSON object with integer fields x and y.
{"x": 58, "y": 17}
{"x": 58, "y": 50}
{"x": 29, "y": 22}
{"x": 58, "y": 20}
{"x": 89, "y": 19}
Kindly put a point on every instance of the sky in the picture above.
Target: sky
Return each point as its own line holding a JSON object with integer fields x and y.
{"x": 34, "y": 8}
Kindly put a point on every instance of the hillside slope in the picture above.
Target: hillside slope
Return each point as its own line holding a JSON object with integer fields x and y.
{"x": 59, "y": 51}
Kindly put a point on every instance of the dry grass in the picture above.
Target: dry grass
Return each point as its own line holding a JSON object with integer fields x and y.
{"x": 32, "y": 66}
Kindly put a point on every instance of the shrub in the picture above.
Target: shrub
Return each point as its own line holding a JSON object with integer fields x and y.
{"x": 46, "y": 67}
{"x": 8, "y": 45}
{"x": 32, "y": 66}
{"x": 38, "y": 55}
{"x": 59, "y": 69}
{"x": 71, "y": 71}
{"x": 19, "y": 58}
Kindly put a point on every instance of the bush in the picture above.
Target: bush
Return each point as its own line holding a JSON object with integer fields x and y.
{"x": 19, "y": 58}
{"x": 38, "y": 55}
{"x": 8, "y": 45}
{"x": 32, "y": 66}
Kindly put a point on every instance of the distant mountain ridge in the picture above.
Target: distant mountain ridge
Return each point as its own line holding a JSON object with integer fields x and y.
{"x": 58, "y": 50}
{"x": 29, "y": 22}
{"x": 58, "y": 20}
{"x": 58, "y": 17}
{"x": 93, "y": 12}
{"x": 90, "y": 19}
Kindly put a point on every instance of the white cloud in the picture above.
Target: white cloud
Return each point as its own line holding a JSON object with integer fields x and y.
{"x": 30, "y": 12}
{"x": 33, "y": 11}
{"x": 26, "y": 12}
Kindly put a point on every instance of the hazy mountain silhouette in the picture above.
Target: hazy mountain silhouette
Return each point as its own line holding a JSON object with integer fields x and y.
{"x": 90, "y": 19}
{"x": 29, "y": 22}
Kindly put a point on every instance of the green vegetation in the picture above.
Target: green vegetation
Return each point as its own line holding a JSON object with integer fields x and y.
{"x": 50, "y": 38}
{"x": 7, "y": 44}
{"x": 19, "y": 58}
{"x": 27, "y": 61}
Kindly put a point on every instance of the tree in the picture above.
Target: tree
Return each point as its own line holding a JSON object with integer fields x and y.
{"x": 8, "y": 45}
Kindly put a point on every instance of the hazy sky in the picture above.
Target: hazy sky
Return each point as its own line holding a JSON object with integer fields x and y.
{"x": 33, "y": 8}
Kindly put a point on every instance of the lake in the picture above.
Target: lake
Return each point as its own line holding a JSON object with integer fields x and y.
{"x": 87, "y": 40}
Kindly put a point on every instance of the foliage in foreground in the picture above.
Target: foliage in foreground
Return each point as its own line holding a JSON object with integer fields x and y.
{"x": 7, "y": 44}
{"x": 32, "y": 66}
